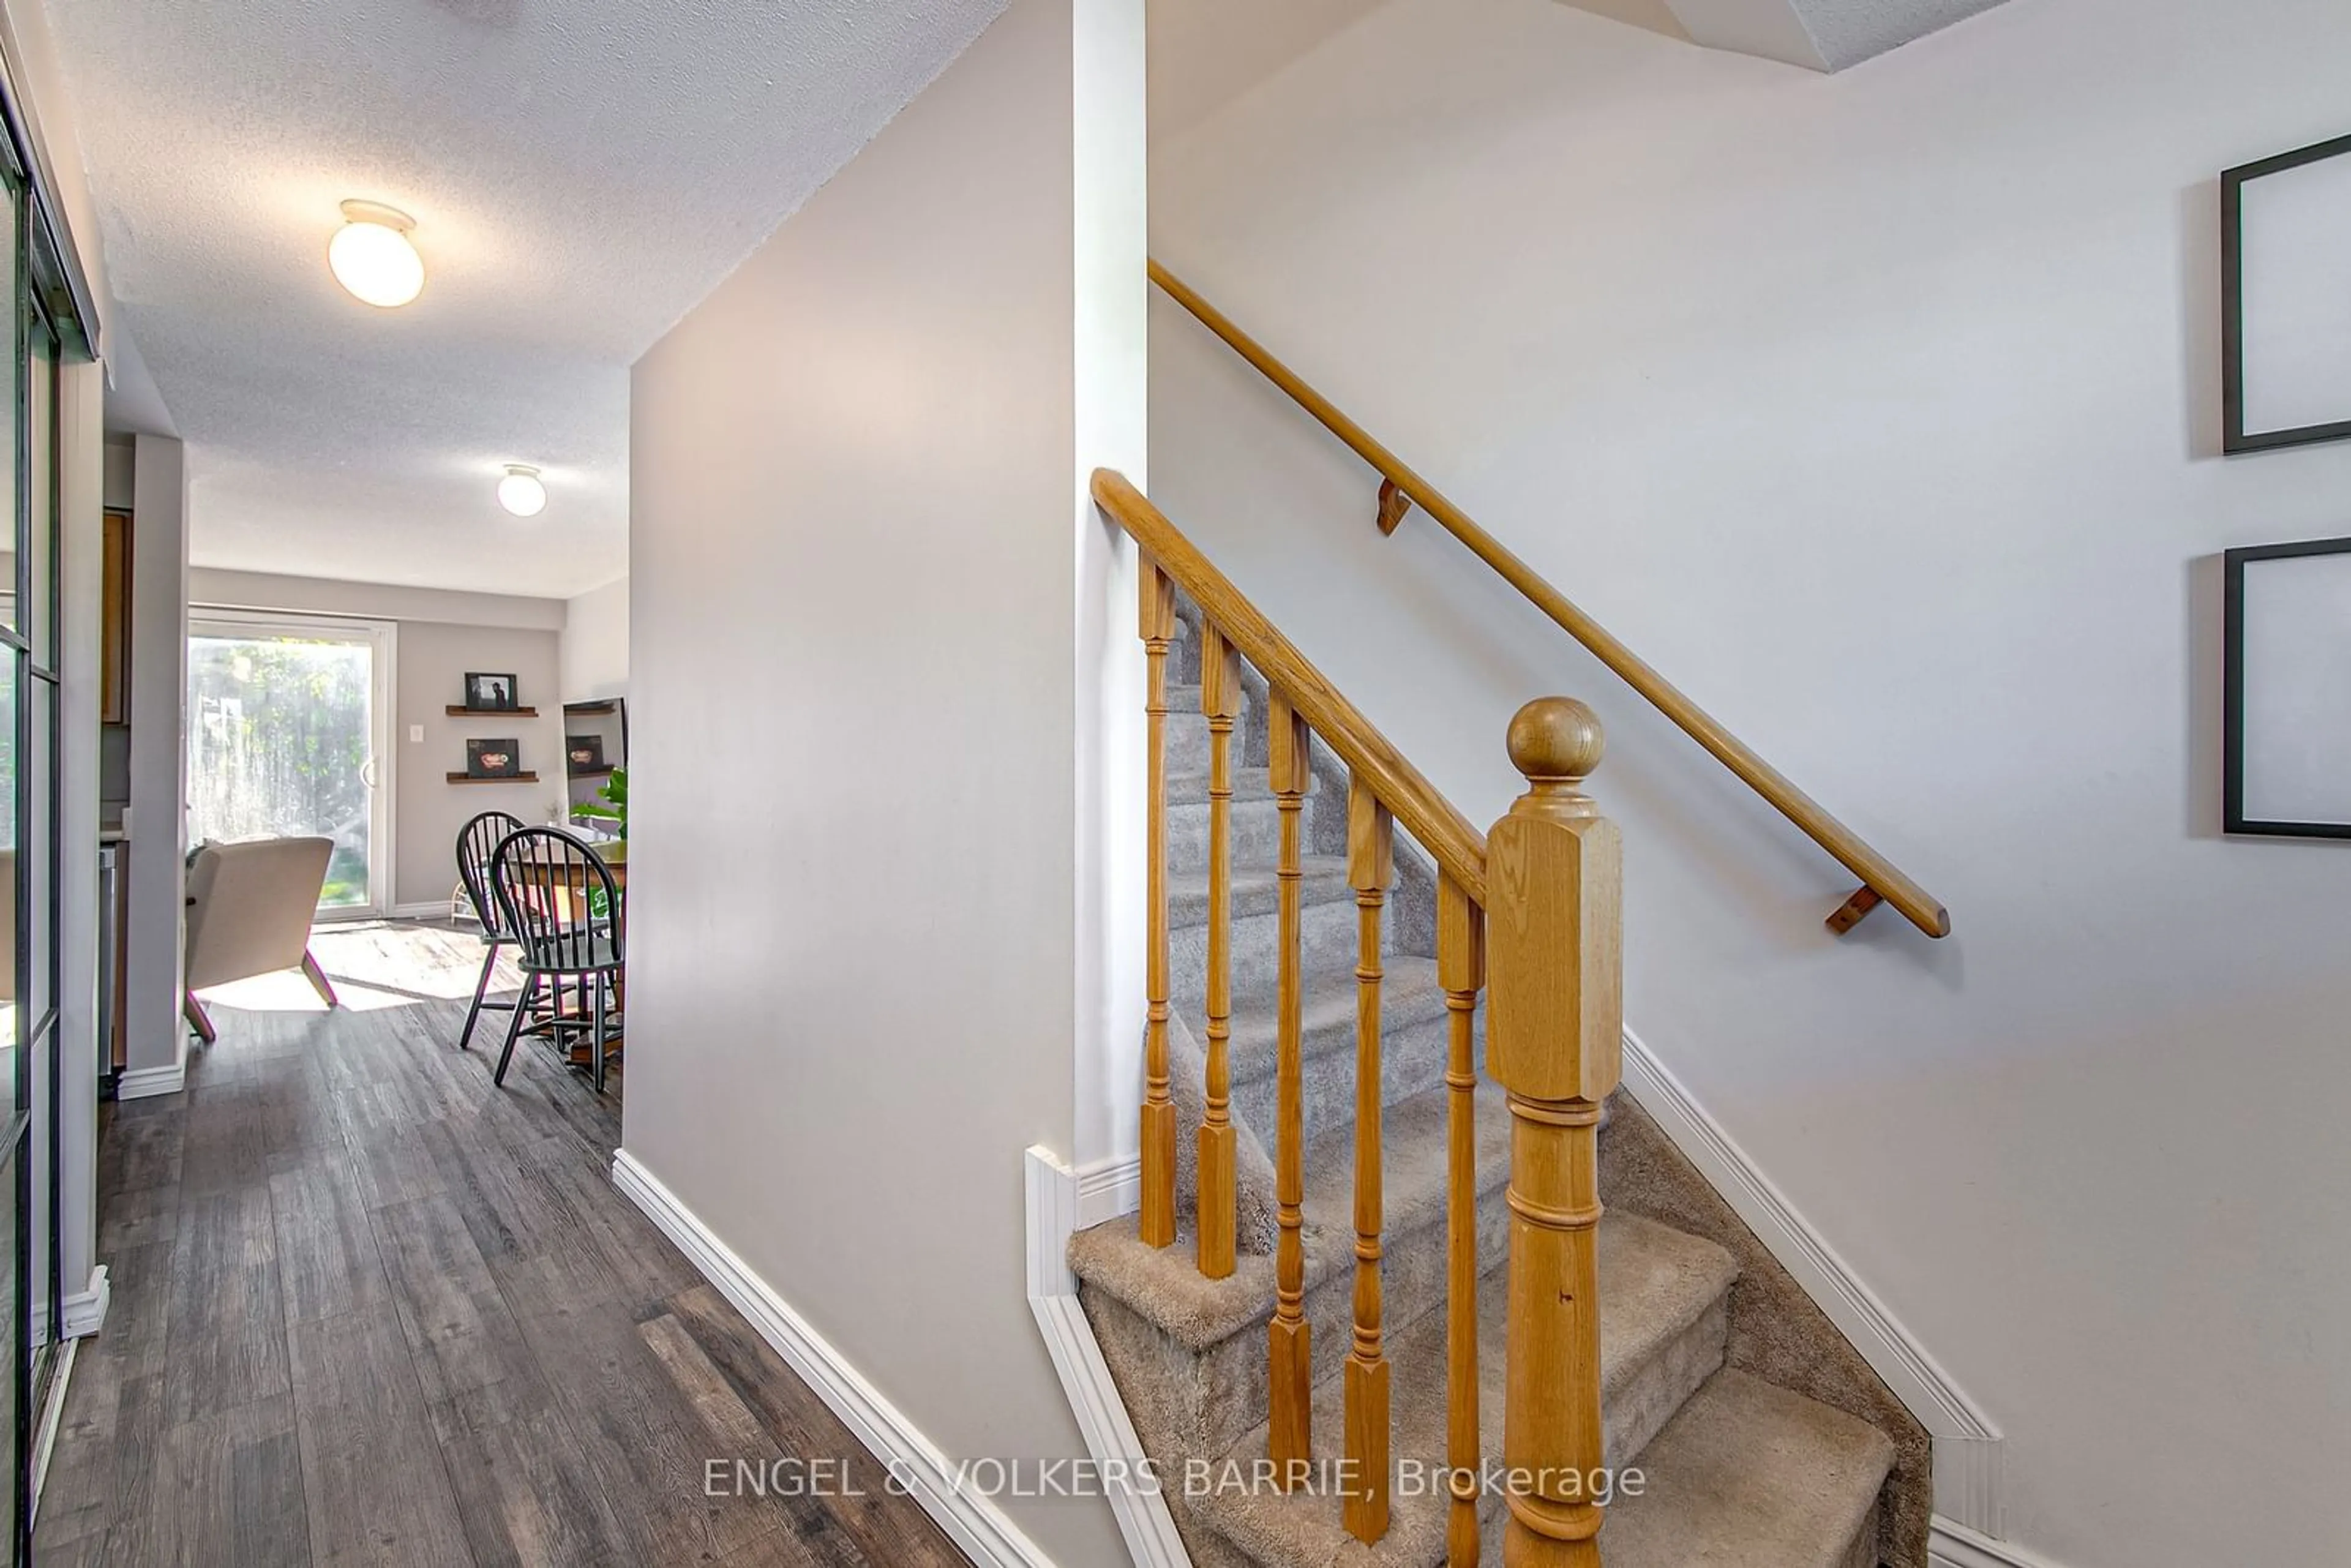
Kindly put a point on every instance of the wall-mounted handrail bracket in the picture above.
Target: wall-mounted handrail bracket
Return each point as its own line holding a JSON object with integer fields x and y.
{"x": 1851, "y": 911}
{"x": 1393, "y": 506}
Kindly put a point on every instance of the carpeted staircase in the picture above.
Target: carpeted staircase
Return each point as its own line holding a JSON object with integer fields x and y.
{"x": 1762, "y": 1439}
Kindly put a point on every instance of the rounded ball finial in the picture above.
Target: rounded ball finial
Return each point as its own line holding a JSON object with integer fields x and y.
{"x": 1556, "y": 737}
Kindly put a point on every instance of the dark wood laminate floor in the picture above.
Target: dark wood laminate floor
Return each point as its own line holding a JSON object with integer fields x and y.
{"x": 368, "y": 1308}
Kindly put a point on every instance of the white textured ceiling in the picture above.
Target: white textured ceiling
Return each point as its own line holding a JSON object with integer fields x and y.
{"x": 582, "y": 173}
{"x": 1847, "y": 32}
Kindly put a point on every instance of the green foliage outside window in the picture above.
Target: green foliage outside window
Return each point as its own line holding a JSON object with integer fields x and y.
{"x": 278, "y": 740}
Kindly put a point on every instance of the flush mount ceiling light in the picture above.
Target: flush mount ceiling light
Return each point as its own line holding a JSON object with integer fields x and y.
{"x": 373, "y": 256}
{"x": 521, "y": 492}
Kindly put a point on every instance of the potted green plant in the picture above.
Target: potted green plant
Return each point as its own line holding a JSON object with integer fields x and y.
{"x": 610, "y": 805}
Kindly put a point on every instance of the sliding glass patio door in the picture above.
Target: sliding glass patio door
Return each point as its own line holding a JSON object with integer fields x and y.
{"x": 30, "y": 863}
{"x": 288, "y": 724}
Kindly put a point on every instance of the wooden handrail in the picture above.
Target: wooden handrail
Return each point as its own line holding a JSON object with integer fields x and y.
{"x": 1459, "y": 849}
{"x": 1881, "y": 879}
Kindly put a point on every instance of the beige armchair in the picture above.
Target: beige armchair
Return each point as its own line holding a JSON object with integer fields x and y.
{"x": 249, "y": 912}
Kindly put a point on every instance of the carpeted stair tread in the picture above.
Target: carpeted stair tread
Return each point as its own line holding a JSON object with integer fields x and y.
{"x": 1164, "y": 1286}
{"x": 1254, "y": 816}
{"x": 1661, "y": 1336}
{"x": 1409, "y": 996}
{"x": 1750, "y": 1475}
{"x": 1187, "y": 728}
{"x": 1257, "y": 890}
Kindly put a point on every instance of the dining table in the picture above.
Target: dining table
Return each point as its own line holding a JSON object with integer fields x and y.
{"x": 574, "y": 1007}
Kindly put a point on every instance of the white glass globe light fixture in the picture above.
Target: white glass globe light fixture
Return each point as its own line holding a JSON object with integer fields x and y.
{"x": 522, "y": 492}
{"x": 372, "y": 256}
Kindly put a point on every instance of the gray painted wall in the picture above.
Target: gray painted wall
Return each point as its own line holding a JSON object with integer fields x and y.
{"x": 596, "y": 642}
{"x": 856, "y": 475}
{"x": 375, "y": 600}
{"x": 427, "y": 808}
{"x": 122, "y": 462}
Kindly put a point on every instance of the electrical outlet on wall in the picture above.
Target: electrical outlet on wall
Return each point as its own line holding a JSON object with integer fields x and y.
{"x": 415, "y": 732}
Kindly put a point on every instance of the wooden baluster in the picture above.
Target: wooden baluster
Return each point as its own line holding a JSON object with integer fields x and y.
{"x": 1554, "y": 1028}
{"x": 1158, "y": 623}
{"x": 1290, "y": 1444}
{"x": 1220, "y": 699}
{"x": 1369, "y": 862}
{"x": 1461, "y": 970}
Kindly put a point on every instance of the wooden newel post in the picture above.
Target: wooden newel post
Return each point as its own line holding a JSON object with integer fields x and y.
{"x": 1554, "y": 1034}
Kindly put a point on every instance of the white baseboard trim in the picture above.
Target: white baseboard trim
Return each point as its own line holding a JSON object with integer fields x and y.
{"x": 1967, "y": 1444}
{"x": 976, "y": 1524}
{"x": 145, "y": 1082}
{"x": 1954, "y": 1545}
{"x": 1057, "y": 1209}
{"x": 85, "y": 1309}
{"x": 1108, "y": 1188}
{"x": 437, "y": 909}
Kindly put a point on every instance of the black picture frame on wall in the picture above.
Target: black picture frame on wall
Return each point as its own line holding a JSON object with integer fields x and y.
{"x": 2293, "y": 648}
{"x": 500, "y": 758}
{"x": 2243, "y": 338}
{"x": 491, "y": 691}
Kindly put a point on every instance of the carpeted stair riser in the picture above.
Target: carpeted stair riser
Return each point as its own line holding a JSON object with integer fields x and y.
{"x": 1327, "y": 931}
{"x": 1207, "y": 1366}
{"x": 1414, "y": 1040}
{"x": 1738, "y": 1474}
{"x": 1750, "y": 1474}
{"x": 1790, "y": 1499}
{"x": 1664, "y": 1321}
{"x": 1214, "y": 1395}
{"x": 1256, "y": 820}
{"x": 1187, "y": 734}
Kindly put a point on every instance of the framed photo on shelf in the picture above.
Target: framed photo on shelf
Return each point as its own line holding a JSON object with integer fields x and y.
{"x": 2285, "y": 325}
{"x": 584, "y": 753}
{"x": 493, "y": 759}
{"x": 490, "y": 693}
{"x": 2286, "y": 697}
